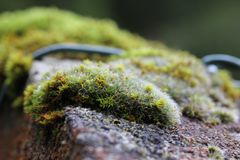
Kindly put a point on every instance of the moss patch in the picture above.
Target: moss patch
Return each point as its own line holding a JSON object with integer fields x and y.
{"x": 187, "y": 81}
{"x": 158, "y": 71}
{"x": 215, "y": 153}
{"x": 23, "y": 32}
{"x": 102, "y": 89}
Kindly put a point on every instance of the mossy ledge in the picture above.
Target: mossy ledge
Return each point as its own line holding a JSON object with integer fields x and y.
{"x": 102, "y": 89}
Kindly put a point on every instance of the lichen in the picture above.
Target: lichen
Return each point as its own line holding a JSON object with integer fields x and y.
{"x": 104, "y": 90}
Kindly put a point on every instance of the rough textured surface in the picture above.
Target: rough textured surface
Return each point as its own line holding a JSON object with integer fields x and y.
{"x": 116, "y": 108}
{"x": 100, "y": 138}
{"x": 87, "y": 134}
{"x": 190, "y": 140}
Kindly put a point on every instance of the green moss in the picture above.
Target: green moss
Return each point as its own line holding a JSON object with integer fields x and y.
{"x": 107, "y": 102}
{"x": 15, "y": 73}
{"x": 23, "y": 32}
{"x": 146, "y": 71}
{"x": 16, "y": 68}
{"x": 160, "y": 103}
{"x": 215, "y": 153}
{"x": 49, "y": 22}
{"x": 104, "y": 90}
{"x": 195, "y": 102}
{"x": 225, "y": 82}
{"x": 120, "y": 67}
{"x": 224, "y": 116}
{"x": 175, "y": 76}
{"x": 193, "y": 112}
{"x": 28, "y": 93}
{"x": 184, "y": 68}
{"x": 148, "y": 88}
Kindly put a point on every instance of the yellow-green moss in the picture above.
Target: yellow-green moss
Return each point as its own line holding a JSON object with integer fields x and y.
{"x": 16, "y": 68}
{"x": 188, "y": 69}
{"x": 227, "y": 85}
{"x": 148, "y": 88}
{"x": 193, "y": 112}
{"x": 215, "y": 153}
{"x": 49, "y": 22}
{"x": 23, "y": 32}
{"x": 160, "y": 103}
{"x": 104, "y": 90}
{"x": 156, "y": 68}
{"x": 175, "y": 76}
{"x": 224, "y": 116}
{"x": 195, "y": 101}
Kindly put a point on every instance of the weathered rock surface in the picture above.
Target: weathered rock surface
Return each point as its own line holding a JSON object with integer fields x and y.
{"x": 87, "y": 134}
{"x": 133, "y": 107}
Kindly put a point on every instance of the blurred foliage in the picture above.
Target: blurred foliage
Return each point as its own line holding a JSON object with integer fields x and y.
{"x": 201, "y": 27}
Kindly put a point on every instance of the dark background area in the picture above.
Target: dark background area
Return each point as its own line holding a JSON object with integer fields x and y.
{"x": 200, "y": 26}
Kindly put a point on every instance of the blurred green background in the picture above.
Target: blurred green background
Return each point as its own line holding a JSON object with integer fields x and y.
{"x": 200, "y": 26}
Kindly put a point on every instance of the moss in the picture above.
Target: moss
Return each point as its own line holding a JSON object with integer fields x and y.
{"x": 225, "y": 82}
{"x": 89, "y": 85}
{"x": 28, "y": 93}
{"x": 134, "y": 95}
{"x": 184, "y": 68}
{"x": 107, "y": 102}
{"x": 16, "y": 72}
{"x": 215, "y": 153}
{"x": 200, "y": 107}
{"x": 147, "y": 71}
{"x": 160, "y": 103}
{"x": 212, "y": 121}
{"x": 144, "y": 51}
{"x": 49, "y": 22}
{"x": 23, "y": 32}
{"x": 148, "y": 88}
{"x": 16, "y": 68}
{"x": 50, "y": 117}
{"x": 120, "y": 67}
{"x": 195, "y": 99}
{"x": 224, "y": 116}
{"x": 193, "y": 112}
{"x": 104, "y": 90}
